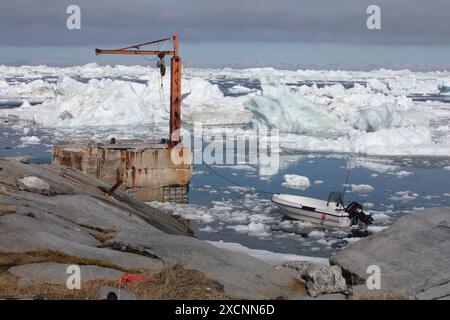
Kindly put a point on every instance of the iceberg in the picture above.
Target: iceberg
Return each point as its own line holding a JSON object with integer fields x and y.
{"x": 96, "y": 103}
{"x": 108, "y": 102}
{"x": 330, "y": 111}
{"x": 279, "y": 107}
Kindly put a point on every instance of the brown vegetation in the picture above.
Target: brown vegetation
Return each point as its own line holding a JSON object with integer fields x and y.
{"x": 383, "y": 296}
{"x": 8, "y": 260}
{"x": 173, "y": 282}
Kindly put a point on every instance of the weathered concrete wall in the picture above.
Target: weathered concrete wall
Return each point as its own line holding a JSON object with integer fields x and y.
{"x": 145, "y": 167}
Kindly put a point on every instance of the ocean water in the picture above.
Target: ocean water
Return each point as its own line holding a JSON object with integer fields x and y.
{"x": 232, "y": 203}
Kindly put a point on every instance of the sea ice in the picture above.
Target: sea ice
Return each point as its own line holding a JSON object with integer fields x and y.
{"x": 238, "y": 89}
{"x": 278, "y": 107}
{"x": 316, "y": 234}
{"x": 404, "y": 196}
{"x": 296, "y": 182}
{"x": 374, "y": 116}
{"x": 375, "y": 229}
{"x": 253, "y": 229}
{"x": 30, "y": 140}
{"x": 361, "y": 188}
{"x": 108, "y": 102}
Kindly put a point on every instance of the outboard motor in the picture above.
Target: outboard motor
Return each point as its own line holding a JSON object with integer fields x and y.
{"x": 356, "y": 214}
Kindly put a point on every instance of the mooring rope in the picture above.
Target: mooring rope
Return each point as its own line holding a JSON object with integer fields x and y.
{"x": 251, "y": 190}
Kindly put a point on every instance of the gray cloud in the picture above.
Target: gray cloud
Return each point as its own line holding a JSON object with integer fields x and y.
{"x": 42, "y": 22}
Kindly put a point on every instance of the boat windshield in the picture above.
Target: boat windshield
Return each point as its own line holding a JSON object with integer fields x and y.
{"x": 335, "y": 197}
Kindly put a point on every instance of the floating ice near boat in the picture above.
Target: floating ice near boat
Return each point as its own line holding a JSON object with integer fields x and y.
{"x": 331, "y": 213}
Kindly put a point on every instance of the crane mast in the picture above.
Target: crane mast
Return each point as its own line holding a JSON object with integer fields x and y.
{"x": 175, "y": 79}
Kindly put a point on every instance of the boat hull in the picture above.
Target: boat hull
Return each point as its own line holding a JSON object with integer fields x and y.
{"x": 313, "y": 215}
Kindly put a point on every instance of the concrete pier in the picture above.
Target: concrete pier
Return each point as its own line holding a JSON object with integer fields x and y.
{"x": 143, "y": 169}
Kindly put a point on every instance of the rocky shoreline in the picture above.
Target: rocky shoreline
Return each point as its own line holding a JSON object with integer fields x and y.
{"x": 52, "y": 217}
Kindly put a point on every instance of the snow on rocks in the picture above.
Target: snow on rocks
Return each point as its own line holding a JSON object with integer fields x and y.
{"x": 269, "y": 257}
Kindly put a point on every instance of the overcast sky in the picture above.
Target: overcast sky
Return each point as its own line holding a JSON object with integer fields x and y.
{"x": 238, "y": 29}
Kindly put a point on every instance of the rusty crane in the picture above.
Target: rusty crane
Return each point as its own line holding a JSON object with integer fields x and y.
{"x": 175, "y": 78}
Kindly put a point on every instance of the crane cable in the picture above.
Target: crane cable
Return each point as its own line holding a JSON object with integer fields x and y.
{"x": 250, "y": 190}
{"x": 160, "y": 79}
{"x": 161, "y": 85}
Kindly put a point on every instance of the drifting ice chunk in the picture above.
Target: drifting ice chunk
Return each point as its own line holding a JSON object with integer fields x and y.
{"x": 253, "y": 229}
{"x": 296, "y": 182}
{"x": 30, "y": 140}
{"x": 361, "y": 188}
{"x": 240, "y": 90}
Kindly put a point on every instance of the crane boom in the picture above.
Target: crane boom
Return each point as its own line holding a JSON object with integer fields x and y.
{"x": 175, "y": 80}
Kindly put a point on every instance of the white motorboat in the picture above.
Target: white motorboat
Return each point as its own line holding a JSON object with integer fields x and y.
{"x": 332, "y": 213}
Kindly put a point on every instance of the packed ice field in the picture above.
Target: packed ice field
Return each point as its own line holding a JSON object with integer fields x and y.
{"x": 390, "y": 127}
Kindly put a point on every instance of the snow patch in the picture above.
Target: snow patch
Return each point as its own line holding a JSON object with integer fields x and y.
{"x": 269, "y": 257}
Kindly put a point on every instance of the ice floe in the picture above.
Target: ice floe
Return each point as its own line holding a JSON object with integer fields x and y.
{"x": 404, "y": 196}
{"x": 27, "y": 140}
{"x": 278, "y": 107}
{"x": 367, "y": 113}
{"x": 296, "y": 182}
{"x": 360, "y": 188}
{"x": 117, "y": 102}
